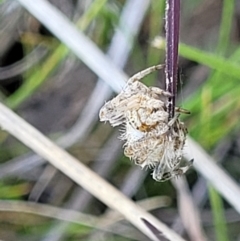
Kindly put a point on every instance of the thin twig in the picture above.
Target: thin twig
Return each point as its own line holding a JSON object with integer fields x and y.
{"x": 172, "y": 39}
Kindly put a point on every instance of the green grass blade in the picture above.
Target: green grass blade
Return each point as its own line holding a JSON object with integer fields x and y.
{"x": 221, "y": 83}
{"x": 226, "y": 24}
{"x": 218, "y": 215}
{"x": 211, "y": 60}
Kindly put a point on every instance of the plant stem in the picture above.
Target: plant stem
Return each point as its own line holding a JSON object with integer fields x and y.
{"x": 172, "y": 16}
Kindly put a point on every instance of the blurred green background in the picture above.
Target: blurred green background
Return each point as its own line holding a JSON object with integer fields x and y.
{"x": 49, "y": 87}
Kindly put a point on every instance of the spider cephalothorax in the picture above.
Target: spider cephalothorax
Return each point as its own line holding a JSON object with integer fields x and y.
{"x": 150, "y": 138}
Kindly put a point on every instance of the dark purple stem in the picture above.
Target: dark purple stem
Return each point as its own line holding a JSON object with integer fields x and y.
{"x": 172, "y": 16}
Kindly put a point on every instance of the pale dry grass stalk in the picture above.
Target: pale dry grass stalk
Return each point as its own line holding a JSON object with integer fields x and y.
{"x": 71, "y": 216}
{"x": 214, "y": 173}
{"x": 76, "y": 216}
{"x": 188, "y": 210}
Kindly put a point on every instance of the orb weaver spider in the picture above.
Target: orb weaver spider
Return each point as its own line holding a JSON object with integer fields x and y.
{"x": 151, "y": 139}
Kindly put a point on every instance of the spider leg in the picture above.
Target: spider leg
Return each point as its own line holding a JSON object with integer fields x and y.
{"x": 181, "y": 170}
{"x": 173, "y": 120}
{"x": 158, "y": 171}
{"x": 160, "y": 175}
{"x": 164, "y": 176}
{"x": 158, "y": 91}
{"x": 143, "y": 73}
{"x": 181, "y": 110}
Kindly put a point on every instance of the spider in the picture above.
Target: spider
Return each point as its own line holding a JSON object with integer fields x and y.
{"x": 150, "y": 138}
